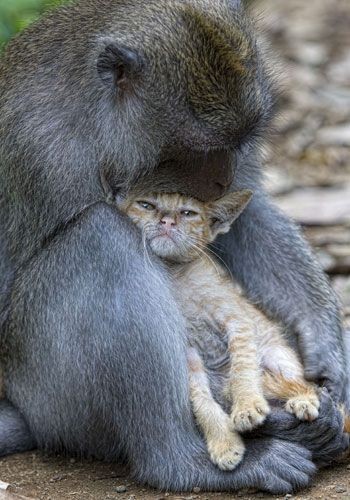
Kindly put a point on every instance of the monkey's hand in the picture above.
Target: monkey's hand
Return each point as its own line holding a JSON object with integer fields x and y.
{"x": 323, "y": 354}
{"x": 324, "y": 437}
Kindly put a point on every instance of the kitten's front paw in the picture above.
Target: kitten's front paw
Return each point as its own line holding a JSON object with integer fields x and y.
{"x": 304, "y": 407}
{"x": 226, "y": 452}
{"x": 248, "y": 414}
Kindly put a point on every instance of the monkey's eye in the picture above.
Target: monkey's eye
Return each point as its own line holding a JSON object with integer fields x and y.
{"x": 189, "y": 213}
{"x": 146, "y": 205}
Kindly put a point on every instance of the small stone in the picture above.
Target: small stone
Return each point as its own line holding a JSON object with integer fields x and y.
{"x": 121, "y": 489}
{"x": 72, "y": 460}
{"x": 340, "y": 489}
{"x": 196, "y": 489}
{"x": 288, "y": 496}
{"x": 57, "y": 478}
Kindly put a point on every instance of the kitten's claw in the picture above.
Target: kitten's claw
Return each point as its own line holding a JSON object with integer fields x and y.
{"x": 304, "y": 407}
{"x": 247, "y": 415}
{"x": 227, "y": 453}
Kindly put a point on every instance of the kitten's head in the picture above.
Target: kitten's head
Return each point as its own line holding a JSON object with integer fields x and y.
{"x": 178, "y": 227}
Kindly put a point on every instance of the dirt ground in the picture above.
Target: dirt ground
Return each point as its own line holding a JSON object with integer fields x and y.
{"x": 34, "y": 476}
{"x": 308, "y": 172}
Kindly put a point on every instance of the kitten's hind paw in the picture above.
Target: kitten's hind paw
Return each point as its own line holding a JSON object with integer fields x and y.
{"x": 227, "y": 453}
{"x": 249, "y": 414}
{"x": 304, "y": 407}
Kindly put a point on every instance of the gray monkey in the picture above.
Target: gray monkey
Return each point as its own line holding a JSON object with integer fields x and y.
{"x": 172, "y": 92}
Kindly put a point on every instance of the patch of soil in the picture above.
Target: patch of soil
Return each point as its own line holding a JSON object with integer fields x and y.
{"x": 35, "y": 476}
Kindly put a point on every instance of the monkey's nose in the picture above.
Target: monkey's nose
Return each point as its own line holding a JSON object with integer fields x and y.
{"x": 168, "y": 222}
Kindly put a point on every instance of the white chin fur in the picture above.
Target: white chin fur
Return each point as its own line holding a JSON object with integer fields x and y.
{"x": 164, "y": 247}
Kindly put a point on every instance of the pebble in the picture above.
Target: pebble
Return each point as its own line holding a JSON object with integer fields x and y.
{"x": 121, "y": 489}
{"x": 340, "y": 489}
{"x": 196, "y": 489}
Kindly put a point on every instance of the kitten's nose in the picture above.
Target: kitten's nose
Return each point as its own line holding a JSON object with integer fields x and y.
{"x": 168, "y": 222}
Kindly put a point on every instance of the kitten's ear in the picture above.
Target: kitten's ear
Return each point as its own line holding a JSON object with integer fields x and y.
{"x": 226, "y": 210}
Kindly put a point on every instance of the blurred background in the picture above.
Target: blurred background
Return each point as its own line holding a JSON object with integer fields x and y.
{"x": 308, "y": 160}
{"x": 308, "y": 164}
{"x": 17, "y": 14}
{"x": 308, "y": 173}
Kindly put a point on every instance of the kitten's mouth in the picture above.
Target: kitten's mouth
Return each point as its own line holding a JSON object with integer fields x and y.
{"x": 164, "y": 235}
{"x": 164, "y": 245}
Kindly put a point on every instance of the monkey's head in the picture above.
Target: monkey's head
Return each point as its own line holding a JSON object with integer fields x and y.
{"x": 187, "y": 81}
{"x": 171, "y": 88}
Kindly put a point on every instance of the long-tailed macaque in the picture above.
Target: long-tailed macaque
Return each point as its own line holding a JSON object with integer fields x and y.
{"x": 100, "y": 93}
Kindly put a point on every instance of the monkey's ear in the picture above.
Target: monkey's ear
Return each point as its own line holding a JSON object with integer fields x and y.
{"x": 226, "y": 210}
{"x": 118, "y": 65}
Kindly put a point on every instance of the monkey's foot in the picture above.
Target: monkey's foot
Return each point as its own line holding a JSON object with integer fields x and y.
{"x": 304, "y": 407}
{"x": 249, "y": 413}
{"x": 227, "y": 451}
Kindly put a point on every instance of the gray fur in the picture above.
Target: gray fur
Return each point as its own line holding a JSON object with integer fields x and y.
{"x": 91, "y": 339}
{"x": 113, "y": 385}
{"x": 15, "y": 436}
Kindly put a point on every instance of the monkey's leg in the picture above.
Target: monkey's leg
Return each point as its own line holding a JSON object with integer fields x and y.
{"x": 15, "y": 436}
{"x": 225, "y": 445}
{"x": 267, "y": 253}
{"x": 103, "y": 367}
{"x": 324, "y": 437}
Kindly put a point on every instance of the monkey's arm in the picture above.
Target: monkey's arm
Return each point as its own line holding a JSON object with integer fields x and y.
{"x": 268, "y": 255}
{"x": 115, "y": 323}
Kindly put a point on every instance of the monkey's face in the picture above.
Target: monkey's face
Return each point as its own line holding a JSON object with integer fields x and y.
{"x": 190, "y": 91}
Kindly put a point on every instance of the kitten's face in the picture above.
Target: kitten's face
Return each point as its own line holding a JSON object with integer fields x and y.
{"x": 177, "y": 227}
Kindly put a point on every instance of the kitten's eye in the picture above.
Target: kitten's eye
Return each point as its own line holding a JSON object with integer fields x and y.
{"x": 189, "y": 213}
{"x": 146, "y": 205}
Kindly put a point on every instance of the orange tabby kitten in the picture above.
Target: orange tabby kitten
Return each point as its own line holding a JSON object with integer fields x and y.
{"x": 178, "y": 230}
